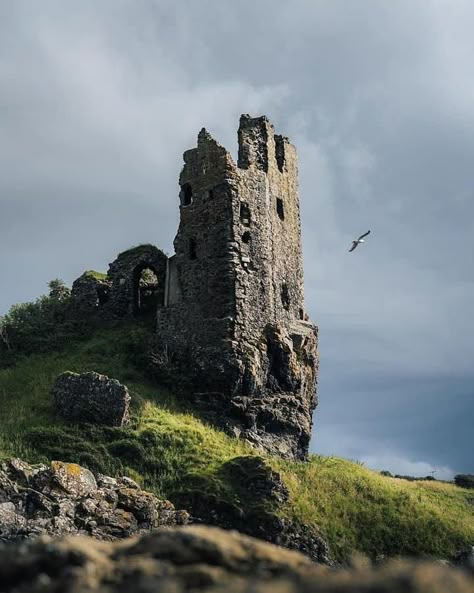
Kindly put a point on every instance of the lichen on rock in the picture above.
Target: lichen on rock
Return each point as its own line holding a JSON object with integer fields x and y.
{"x": 65, "y": 498}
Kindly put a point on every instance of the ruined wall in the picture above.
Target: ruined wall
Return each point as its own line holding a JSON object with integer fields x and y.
{"x": 235, "y": 289}
{"x": 267, "y": 228}
{"x": 117, "y": 294}
{"x": 229, "y": 303}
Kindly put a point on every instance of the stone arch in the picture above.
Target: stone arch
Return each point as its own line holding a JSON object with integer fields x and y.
{"x": 148, "y": 291}
{"x": 126, "y": 296}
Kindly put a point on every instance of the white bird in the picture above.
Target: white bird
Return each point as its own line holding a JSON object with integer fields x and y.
{"x": 357, "y": 241}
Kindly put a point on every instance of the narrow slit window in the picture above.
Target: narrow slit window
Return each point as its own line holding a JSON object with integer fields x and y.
{"x": 285, "y": 296}
{"x": 192, "y": 249}
{"x": 280, "y": 210}
{"x": 244, "y": 214}
{"x": 186, "y": 194}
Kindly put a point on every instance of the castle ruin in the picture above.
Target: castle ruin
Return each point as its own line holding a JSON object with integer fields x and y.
{"x": 229, "y": 303}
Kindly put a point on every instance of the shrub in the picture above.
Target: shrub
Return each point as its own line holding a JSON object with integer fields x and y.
{"x": 464, "y": 480}
{"x": 40, "y": 326}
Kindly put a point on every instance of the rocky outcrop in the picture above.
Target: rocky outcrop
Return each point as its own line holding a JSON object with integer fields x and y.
{"x": 90, "y": 397}
{"x": 258, "y": 493}
{"x": 64, "y": 498}
{"x": 208, "y": 560}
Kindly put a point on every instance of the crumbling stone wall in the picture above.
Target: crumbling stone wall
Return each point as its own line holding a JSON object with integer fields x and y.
{"x": 124, "y": 275}
{"x": 117, "y": 294}
{"x": 230, "y": 306}
{"x": 235, "y": 319}
{"x": 90, "y": 291}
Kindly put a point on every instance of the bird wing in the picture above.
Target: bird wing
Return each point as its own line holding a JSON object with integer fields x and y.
{"x": 354, "y": 245}
{"x": 364, "y": 235}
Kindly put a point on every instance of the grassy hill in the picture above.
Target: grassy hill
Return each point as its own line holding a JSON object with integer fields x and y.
{"x": 167, "y": 448}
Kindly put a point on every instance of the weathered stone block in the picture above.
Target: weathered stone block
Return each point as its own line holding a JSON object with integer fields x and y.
{"x": 90, "y": 397}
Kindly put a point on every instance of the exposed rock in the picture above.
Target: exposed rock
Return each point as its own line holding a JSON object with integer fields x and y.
{"x": 259, "y": 492}
{"x": 191, "y": 559}
{"x": 90, "y": 397}
{"x": 64, "y": 498}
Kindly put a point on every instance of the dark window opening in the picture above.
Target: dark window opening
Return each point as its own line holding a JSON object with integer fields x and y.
{"x": 280, "y": 210}
{"x": 210, "y": 194}
{"x": 285, "y": 296}
{"x": 148, "y": 291}
{"x": 301, "y": 314}
{"x": 186, "y": 194}
{"x": 244, "y": 214}
{"x": 192, "y": 249}
{"x": 280, "y": 152}
{"x": 102, "y": 295}
{"x": 246, "y": 237}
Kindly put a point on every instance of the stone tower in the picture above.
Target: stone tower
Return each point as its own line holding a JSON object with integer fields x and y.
{"x": 233, "y": 321}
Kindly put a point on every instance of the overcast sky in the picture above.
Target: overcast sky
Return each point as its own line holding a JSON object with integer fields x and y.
{"x": 99, "y": 99}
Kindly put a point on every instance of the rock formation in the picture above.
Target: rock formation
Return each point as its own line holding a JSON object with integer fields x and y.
{"x": 64, "y": 498}
{"x": 90, "y": 397}
{"x": 258, "y": 493}
{"x": 208, "y": 560}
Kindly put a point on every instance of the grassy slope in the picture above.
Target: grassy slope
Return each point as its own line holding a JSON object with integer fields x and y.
{"x": 166, "y": 447}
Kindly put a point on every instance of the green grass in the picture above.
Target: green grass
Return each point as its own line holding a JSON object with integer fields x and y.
{"x": 168, "y": 449}
{"x": 95, "y": 274}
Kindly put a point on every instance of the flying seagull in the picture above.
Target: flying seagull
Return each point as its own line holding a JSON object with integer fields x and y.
{"x": 357, "y": 241}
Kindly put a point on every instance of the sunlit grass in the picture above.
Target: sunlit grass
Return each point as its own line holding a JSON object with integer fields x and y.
{"x": 167, "y": 446}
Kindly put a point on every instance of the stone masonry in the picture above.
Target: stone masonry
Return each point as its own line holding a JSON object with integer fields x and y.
{"x": 231, "y": 322}
{"x": 235, "y": 319}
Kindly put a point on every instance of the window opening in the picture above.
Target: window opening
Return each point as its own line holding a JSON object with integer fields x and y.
{"x": 285, "y": 296}
{"x": 192, "y": 249}
{"x": 186, "y": 194}
{"x": 280, "y": 210}
{"x": 244, "y": 214}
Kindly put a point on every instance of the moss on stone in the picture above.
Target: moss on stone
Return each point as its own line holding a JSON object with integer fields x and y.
{"x": 96, "y": 275}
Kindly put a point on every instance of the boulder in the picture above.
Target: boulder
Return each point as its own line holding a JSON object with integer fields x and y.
{"x": 65, "y": 498}
{"x": 204, "y": 559}
{"x": 90, "y": 397}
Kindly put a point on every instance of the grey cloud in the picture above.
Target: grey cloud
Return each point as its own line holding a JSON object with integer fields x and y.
{"x": 99, "y": 100}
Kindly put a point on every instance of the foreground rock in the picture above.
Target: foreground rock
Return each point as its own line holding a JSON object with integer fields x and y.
{"x": 90, "y": 397}
{"x": 176, "y": 560}
{"x": 65, "y": 498}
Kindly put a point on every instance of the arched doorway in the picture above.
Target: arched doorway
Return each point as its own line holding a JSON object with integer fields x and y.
{"x": 149, "y": 291}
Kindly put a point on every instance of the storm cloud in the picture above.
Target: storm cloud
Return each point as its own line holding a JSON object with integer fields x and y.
{"x": 98, "y": 101}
